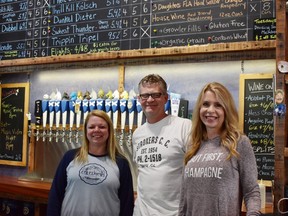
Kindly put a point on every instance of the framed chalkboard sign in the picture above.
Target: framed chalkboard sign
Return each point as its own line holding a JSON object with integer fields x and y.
{"x": 13, "y": 133}
{"x": 256, "y": 119}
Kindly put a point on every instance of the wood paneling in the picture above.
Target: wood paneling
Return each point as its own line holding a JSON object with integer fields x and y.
{"x": 280, "y": 124}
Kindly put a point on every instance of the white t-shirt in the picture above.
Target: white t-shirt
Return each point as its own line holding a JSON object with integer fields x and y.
{"x": 158, "y": 150}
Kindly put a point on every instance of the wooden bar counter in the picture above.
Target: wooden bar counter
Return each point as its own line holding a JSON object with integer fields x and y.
{"x": 37, "y": 192}
{"x": 31, "y": 191}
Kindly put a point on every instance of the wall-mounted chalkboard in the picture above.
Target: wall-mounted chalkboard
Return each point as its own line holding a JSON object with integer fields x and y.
{"x": 256, "y": 105}
{"x": 34, "y": 28}
{"x": 264, "y": 29}
{"x": 13, "y": 133}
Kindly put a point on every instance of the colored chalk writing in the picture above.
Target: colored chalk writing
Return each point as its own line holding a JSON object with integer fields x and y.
{"x": 13, "y": 130}
{"x": 258, "y": 120}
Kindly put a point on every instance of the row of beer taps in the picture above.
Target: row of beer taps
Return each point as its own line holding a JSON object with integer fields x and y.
{"x": 124, "y": 109}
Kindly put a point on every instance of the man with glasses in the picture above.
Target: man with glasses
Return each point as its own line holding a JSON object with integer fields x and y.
{"x": 158, "y": 150}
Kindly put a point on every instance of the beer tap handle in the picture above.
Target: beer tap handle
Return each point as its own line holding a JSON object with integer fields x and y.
{"x": 85, "y": 107}
{"x": 78, "y": 111}
{"x": 140, "y": 114}
{"x": 44, "y": 117}
{"x": 38, "y": 116}
{"x": 71, "y": 120}
{"x": 131, "y": 105}
{"x": 51, "y": 118}
{"x": 115, "y": 106}
{"x": 108, "y": 104}
{"x": 57, "y": 109}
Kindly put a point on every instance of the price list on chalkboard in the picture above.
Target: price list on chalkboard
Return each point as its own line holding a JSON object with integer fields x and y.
{"x": 13, "y": 23}
{"x": 258, "y": 123}
{"x": 39, "y": 28}
{"x": 97, "y": 26}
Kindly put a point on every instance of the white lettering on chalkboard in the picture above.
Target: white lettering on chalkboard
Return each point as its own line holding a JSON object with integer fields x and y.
{"x": 58, "y": 28}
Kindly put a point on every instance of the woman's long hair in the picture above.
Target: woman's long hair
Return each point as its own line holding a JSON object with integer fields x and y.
{"x": 113, "y": 149}
{"x": 230, "y": 132}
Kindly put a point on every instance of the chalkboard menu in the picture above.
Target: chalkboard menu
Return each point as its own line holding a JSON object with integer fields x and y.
{"x": 265, "y": 29}
{"x": 256, "y": 119}
{"x": 39, "y": 28}
{"x": 13, "y": 130}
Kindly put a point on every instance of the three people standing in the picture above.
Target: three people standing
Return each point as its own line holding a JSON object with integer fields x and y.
{"x": 200, "y": 170}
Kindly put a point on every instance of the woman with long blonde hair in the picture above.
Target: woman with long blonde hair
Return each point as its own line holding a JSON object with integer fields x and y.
{"x": 220, "y": 165}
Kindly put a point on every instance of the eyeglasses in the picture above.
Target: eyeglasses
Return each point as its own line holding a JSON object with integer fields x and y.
{"x": 153, "y": 95}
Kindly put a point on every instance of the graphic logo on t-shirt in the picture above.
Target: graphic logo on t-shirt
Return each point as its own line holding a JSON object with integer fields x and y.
{"x": 149, "y": 151}
{"x": 93, "y": 174}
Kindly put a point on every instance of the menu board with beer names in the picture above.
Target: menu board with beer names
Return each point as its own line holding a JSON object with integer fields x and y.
{"x": 40, "y": 28}
{"x": 14, "y": 128}
{"x": 256, "y": 119}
